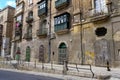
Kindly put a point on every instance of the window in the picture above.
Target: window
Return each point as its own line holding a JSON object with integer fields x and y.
{"x": 19, "y": 7}
{"x": 42, "y": 8}
{"x": 43, "y": 27}
{"x": 17, "y": 1}
{"x": 1, "y": 29}
{"x": 100, "y": 5}
{"x": 61, "y": 3}
{"x": 29, "y": 30}
{"x": 19, "y": 18}
{"x": 1, "y": 18}
{"x": 62, "y": 22}
{"x": 30, "y": 2}
{"x": 30, "y": 14}
{"x": 42, "y": 5}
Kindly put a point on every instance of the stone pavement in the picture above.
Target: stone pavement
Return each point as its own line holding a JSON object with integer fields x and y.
{"x": 100, "y": 72}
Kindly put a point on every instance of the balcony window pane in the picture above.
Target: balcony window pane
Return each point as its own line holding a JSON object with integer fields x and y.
{"x": 62, "y": 19}
{"x": 58, "y": 20}
{"x": 61, "y": 22}
{"x": 44, "y": 5}
{"x": 55, "y": 21}
{"x": 65, "y": 20}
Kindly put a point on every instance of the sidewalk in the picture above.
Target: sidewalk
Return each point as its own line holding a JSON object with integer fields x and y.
{"x": 58, "y": 69}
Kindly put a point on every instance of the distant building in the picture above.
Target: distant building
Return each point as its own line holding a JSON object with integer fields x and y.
{"x": 6, "y": 28}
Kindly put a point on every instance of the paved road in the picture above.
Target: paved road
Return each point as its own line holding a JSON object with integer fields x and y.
{"x": 7, "y": 75}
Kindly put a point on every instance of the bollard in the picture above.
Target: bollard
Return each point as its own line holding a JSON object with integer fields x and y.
{"x": 42, "y": 65}
{"x": 108, "y": 66}
{"x": 65, "y": 67}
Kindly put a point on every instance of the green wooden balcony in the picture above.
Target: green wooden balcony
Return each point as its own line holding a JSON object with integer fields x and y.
{"x": 42, "y": 12}
{"x": 61, "y": 3}
{"x": 62, "y": 28}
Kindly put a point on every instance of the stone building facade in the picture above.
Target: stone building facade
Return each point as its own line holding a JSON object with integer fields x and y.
{"x": 79, "y": 31}
{"x": 6, "y": 28}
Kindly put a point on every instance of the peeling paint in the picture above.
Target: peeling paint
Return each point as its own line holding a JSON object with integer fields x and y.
{"x": 89, "y": 57}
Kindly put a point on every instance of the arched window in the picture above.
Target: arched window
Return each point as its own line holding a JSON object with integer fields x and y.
{"x": 41, "y": 53}
{"x": 30, "y": 14}
{"x": 43, "y": 27}
{"x": 28, "y": 52}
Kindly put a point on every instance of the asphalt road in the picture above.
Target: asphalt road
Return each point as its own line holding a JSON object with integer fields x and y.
{"x": 8, "y": 75}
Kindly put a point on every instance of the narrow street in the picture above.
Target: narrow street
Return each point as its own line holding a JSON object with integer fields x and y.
{"x": 8, "y": 75}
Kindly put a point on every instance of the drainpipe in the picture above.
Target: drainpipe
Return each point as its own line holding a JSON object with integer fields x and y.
{"x": 81, "y": 34}
{"x": 49, "y": 36}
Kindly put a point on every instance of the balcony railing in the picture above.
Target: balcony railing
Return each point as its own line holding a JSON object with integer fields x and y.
{"x": 29, "y": 19}
{"x": 17, "y": 38}
{"x": 61, "y": 3}
{"x": 42, "y": 11}
{"x": 27, "y": 36}
{"x": 41, "y": 32}
{"x": 101, "y": 14}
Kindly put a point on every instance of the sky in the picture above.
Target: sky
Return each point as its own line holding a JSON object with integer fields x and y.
{"x": 4, "y": 3}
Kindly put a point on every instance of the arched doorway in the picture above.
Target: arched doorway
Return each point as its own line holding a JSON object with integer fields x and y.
{"x": 41, "y": 53}
{"x": 62, "y": 54}
{"x": 102, "y": 54}
{"x": 28, "y": 51}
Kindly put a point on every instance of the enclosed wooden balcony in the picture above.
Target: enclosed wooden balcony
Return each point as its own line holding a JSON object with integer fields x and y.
{"x": 42, "y": 12}
{"x": 62, "y": 28}
{"x": 61, "y": 3}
